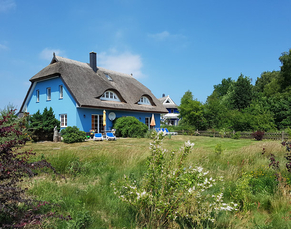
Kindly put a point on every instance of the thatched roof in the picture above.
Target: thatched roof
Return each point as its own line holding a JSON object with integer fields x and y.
{"x": 168, "y": 102}
{"x": 87, "y": 86}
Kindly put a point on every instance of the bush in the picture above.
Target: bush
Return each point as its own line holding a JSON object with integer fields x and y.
{"x": 130, "y": 127}
{"x": 73, "y": 134}
{"x": 17, "y": 210}
{"x": 236, "y": 135}
{"x": 167, "y": 183}
{"x": 258, "y": 135}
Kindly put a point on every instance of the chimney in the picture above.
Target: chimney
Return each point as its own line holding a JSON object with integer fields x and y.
{"x": 163, "y": 95}
{"x": 93, "y": 61}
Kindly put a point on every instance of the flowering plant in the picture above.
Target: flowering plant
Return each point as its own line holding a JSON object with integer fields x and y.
{"x": 171, "y": 193}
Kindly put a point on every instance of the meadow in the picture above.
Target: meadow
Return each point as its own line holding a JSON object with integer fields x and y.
{"x": 83, "y": 189}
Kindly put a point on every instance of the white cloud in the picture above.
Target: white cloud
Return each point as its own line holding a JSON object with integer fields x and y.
{"x": 160, "y": 36}
{"x": 47, "y": 53}
{"x": 165, "y": 35}
{"x": 121, "y": 62}
{"x": 6, "y": 5}
{"x": 3, "y": 47}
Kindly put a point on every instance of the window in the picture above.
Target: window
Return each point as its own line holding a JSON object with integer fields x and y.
{"x": 110, "y": 95}
{"x": 144, "y": 100}
{"x": 61, "y": 91}
{"x": 37, "y": 96}
{"x": 48, "y": 93}
{"x": 148, "y": 121}
{"x": 63, "y": 119}
{"x": 108, "y": 77}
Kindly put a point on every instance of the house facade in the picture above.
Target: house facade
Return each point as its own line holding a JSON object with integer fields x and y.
{"x": 82, "y": 94}
{"x": 172, "y": 117}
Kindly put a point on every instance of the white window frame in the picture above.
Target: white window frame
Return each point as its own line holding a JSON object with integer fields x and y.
{"x": 144, "y": 101}
{"x": 61, "y": 88}
{"x": 110, "y": 96}
{"x": 48, "y": 93}
{"x": 37, "y": 96}
{"x": 63, "y": 120}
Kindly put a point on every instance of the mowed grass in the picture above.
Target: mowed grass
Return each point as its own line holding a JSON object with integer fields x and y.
{"x": 84, "y": 192}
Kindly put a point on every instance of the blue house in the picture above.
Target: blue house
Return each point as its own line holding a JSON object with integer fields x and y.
{"x": 80, "y": 94}
{"x": 172, "y": 117}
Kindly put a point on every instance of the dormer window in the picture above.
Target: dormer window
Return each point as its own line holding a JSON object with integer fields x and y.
{"x": 110, "y": 95}
{"x": 144, "y": 100}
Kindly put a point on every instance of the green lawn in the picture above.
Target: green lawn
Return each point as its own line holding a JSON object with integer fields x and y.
{"x": 89, "y": 168}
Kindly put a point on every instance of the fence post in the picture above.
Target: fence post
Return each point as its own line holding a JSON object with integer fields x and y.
{"x": 282, "y": 136}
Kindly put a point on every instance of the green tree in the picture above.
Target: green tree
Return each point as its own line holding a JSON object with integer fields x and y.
{"x": 241, "y": 93}
{"x": 215, "y": 111}
{"x": 42, "y": 125}
{"x": 192, "y": 111}
{"x": 279, "y": 105}
{"x": 222, "y": 88}
{"x": 285, "y": 74}
{"x": 268, "y": 84}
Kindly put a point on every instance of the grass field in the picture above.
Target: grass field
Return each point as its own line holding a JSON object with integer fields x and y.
{"x": 89, "y": 168}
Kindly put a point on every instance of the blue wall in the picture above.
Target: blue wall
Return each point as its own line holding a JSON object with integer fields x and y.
{"x": 176, "y": 111}
{"x": 66, "y": 105}
{"x": 84, "y": 117}
{"x": 80, "y": 117}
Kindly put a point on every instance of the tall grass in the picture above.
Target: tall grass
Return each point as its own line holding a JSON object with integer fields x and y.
{"x": 89, "y": 168}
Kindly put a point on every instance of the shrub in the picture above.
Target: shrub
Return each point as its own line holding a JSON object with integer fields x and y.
{"x": 167, "y": 183}
{"x": 236, "y": 135}
{"x": 73, "y": 134}
{"x": 258, "y": 135}
{"x": 130, "y": 127}
{"x": 43, "y": 125}
{"x": 218, "y": 149}
{"x": 17, "y": 210}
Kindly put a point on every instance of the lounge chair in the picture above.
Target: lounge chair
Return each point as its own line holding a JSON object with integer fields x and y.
{"x": 168, "y": 132}
{"x": 98, "y": 137}
{"x": 110, "y": 136}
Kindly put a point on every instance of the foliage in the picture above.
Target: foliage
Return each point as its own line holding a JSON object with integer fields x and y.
{"x": 241, "y": 93}
{"x": 43, "y": 125}
{"x": 130, "y": 127}
{"x": 17, "y": 210}
{"x": 12, "y": 119}
{"x": 258, "y": 135}
{"x": 279, "y": 105}
{"x": 215, "y": 112}
{"x": 192, "y": 112}
{"x": 223, "y": 88}
{"x": 285, "y": 73}
{"x": 268, "y": 83}
{"x": 218, "y": 149}
{"x": 73, "y": 134}
{"x": 236, "y": 135}
{"x": 167, "y": 183}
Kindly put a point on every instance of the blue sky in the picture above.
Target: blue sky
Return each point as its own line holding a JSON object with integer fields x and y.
{"x": 169, "y": 46}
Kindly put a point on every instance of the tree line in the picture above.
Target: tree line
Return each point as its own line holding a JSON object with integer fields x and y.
{"x": 241, "y": 106}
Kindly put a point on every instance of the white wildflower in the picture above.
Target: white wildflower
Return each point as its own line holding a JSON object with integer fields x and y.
{"x": 189, "y": 144}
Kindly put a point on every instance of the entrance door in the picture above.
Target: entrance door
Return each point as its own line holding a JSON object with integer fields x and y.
{"x": 97, "y": 123}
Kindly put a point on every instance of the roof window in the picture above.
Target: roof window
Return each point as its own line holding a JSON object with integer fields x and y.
{"x": 108, "y": 77}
